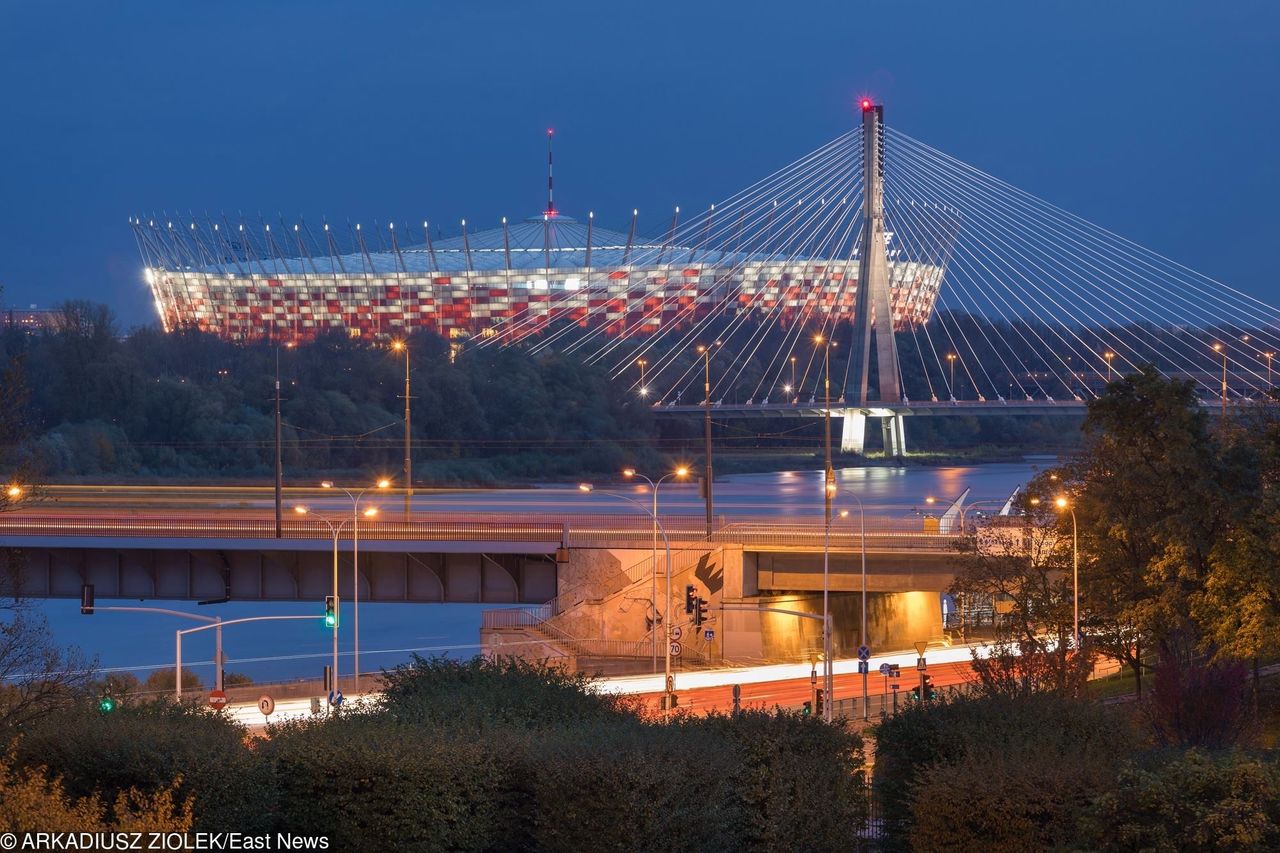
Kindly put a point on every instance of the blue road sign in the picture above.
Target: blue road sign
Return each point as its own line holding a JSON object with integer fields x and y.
{"x": 885, "y": 669}
{"x": 863, "y": 666}
{"x": 864, "y": 653}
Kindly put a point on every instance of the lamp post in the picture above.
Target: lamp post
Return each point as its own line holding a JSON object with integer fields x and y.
{"x": 630, "y": 473}
{"x": 403, "y": 346}
{"x": 828, "y": 491}
{"x": 355, "y": 560}
{"x": 669, "y": 681}
{"x": 793, "y": 375}
{"x": 644, "y": 389}
{"x": 1062, "y": 503}
{"x": 1219, "y": 348}
{"x": 862, "y": 537}
{"x": 1108, "y": 356}
{"x": 337, "y": 533}
{"x": 705, "y": 352}
{"x": 951, "y": 388}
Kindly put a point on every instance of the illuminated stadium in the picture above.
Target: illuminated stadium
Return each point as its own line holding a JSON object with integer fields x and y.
{"x": 782, "y": 250}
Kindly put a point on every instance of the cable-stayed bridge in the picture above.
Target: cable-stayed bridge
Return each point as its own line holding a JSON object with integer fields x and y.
{"x": 978, "y": 298}
{"x": 874, "y": 277}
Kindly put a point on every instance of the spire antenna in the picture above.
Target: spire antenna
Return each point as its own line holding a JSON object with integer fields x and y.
{"x": 551, "y": 202}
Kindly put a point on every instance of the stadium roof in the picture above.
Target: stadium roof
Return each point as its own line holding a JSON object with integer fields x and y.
{"x": 557, "y": 238}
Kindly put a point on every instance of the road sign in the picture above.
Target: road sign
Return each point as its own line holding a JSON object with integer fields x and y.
{"x": 863, "y": 666}
{"x": 676, "y": 632}
{"x": 335, "y": 698}
{"x": 864, "y": 653}
{"x": 920, "y": 647}
{"x": 921, "y": 665}
{"x": 894, "y": 670}
{"x": 676, "y": 648}
{"x": 217, "y": 699}
{"x": 885, "y": 669}
{"x": 709, "y": 634}
{"x": 266, "y": 705}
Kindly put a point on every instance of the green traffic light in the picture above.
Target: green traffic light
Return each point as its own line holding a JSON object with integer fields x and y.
{"x": 330, "y": 620}
{"x": 106, "y": 704}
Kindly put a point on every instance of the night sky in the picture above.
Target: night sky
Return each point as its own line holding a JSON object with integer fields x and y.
{"x": 1158, "y": 120}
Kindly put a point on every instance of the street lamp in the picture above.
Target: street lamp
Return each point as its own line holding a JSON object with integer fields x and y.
{"x": 862, "y": 537}
{"x": 1062, "y": 503}
{"x": 705, "y": 352}
{"x": 951, "y": 359}
{"x": 682, "y": 471}
{"x": 644, "y": 390}
{"x": 1222, "y": 349}
{"x": 828, "y": 492}
{"x": 372, "y": 511}
{"x": 793, "y": 374}
{"x": 1108, "y": 356}
{"x": 1269, "y": 356}
{"x": 337, "y": 533}
{"x": 403, "y": 346}
{"x": 631, "y": 473}
{"x": 14, "y": 491}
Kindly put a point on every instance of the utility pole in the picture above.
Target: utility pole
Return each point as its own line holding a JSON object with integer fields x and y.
{"x": 279, "y": 461}
{"x": 403, "y": 346}
{"x": 828, "y": 492}
{"x": 705, "y": 351}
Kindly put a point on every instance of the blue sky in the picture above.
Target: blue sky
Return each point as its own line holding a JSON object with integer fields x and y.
{"x": 1155, "y": 119}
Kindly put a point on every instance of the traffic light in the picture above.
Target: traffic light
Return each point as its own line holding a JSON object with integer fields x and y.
{"x": 106, "y": 704}
{"x": 699, "y": 612}
{"x": 914, "y": 695}
{"x": 330, "y": 611}
{"x": 930, "y": 691}
{"x": 806, "y": 709}
{"x": 818, "y": 701}
{"x": 86, "y": 599}
{"x": 689, "y": 598}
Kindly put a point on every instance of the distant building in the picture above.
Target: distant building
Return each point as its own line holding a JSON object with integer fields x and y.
{"x": 31, "y": 319}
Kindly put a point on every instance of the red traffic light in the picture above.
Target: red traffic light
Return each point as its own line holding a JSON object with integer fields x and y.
{"x": 866, "y": 105}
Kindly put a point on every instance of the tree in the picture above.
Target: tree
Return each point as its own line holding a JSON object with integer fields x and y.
{"x": 1155, "y": 492}
{"x": 161, "y": 682}
{"x": 1021, "y": 566}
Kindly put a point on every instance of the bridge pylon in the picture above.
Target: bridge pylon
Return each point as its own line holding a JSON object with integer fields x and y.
{"x": 873, "y": 305}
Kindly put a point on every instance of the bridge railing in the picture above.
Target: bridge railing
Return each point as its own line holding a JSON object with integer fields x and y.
{"x": 599, "y": 530}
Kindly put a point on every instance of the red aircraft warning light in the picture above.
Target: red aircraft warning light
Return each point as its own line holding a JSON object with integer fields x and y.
{"x": 866, "y": 105}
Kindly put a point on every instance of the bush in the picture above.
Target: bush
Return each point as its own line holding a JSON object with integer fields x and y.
{"x": 32, "y": 802}
{"x": 622, "y": 785}
{"x": 149, "y": 746}
{"x": 795, "y": 778}
{"x": 1192, "y": 803}
{"x": 999, "y": 801}
{"x": 483, "y": 694}
{"x": 1035, "y": 730}
{"x": 371, "y": 783}
{"x": 1200, "y": 704}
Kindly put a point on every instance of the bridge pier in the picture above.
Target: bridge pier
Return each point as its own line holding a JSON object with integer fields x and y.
{"x": 853, "y": 432}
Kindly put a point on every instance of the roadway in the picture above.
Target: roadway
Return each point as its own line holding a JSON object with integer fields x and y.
{"x": 703, "y": 691}
{"x": 886, "y": 490}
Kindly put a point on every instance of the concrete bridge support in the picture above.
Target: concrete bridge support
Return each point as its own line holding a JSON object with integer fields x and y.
{"x": 853, "y": 432}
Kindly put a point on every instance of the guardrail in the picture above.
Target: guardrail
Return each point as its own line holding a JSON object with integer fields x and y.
{"x": 571, "y": 530}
